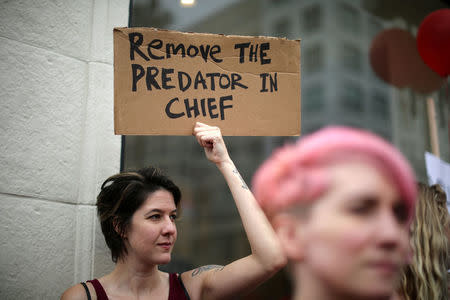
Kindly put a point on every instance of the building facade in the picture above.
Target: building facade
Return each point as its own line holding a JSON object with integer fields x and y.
{"x": 58, "y": 143}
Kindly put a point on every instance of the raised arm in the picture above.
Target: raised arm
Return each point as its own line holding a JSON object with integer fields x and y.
{"x": 243, "y": 275}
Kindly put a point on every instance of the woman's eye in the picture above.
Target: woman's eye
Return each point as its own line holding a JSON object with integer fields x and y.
{"x": 364, "y": 206}
{"x": 401, "y": 213}
{"x": 174, "y": 217}
{"x": 363, "y": 209}
{"x": 154, "y": 217}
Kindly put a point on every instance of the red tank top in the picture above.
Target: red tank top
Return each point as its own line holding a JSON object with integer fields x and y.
{"x": 177, "y": 291}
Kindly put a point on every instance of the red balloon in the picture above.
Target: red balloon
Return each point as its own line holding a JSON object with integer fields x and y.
{"x": 390, "y": 56}
{"x": 433, "y": 41}
{"x": 423, "y": 80}
{"x": 394, "y": 58}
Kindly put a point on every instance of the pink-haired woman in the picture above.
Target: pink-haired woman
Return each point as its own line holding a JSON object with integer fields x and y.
{"x": 341, "y": 201}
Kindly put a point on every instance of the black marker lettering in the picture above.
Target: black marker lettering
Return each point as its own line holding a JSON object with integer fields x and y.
{"x": 189, "y": 51}
{"x": 263, "y": 82}
{"x": 212, "y": 76}
{"x": 171, "y": 48}
{"x": 169, "y": 113}
{"x": 165, "y": 79}
{"x": 235, "y": 78}
{"x": 155, "y": 44}
{"x": 241, "y": 48}
{"x": 262, "y": 53}
{"x": 150, "y": 78}
{"x": 199, "y": 79}
{"x": 273, "y": 83}
{"x": 223, "y": 107}
{"x": 212, "y": 107}
{"x": 134, "y": 45}
{"x": 227, "y": 81}
{"x": 204, "y": 52}
{"x": 202, "y": 103}
{"x": 214, "y": 50}
{"x": 193, "y": 108}
{"x": 136, "y": 75}
{"x": 181, "y": 84}
{"x": 253, "y": 53}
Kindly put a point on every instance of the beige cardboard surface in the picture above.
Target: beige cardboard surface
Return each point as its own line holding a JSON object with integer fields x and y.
{"x": 165, "y": 81}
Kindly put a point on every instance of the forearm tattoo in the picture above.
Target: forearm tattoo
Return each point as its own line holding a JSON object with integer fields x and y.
{"x": 244, "y": 185}
{"x": 206, "y": 268}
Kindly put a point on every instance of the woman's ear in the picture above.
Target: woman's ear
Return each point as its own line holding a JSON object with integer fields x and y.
{"x": 116, "y": 226}
{"x": 289, "y": 232}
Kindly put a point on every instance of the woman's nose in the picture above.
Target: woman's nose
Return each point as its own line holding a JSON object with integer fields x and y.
{"x": 169, "y": 226}
{"x": 391, "y": 234}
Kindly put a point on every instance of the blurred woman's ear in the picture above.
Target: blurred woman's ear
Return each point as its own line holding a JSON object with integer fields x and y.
{"x": 289, "y": 232}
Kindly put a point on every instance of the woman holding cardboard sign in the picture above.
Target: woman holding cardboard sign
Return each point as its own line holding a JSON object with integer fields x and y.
{"x": 137, "y": 212}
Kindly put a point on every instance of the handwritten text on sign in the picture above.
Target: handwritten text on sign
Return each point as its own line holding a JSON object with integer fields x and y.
{"x": 166, "y": 80}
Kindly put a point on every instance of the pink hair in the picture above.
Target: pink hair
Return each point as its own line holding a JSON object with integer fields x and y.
{"x": 296, "y": 174}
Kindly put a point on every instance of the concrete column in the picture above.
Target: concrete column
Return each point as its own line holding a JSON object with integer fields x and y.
{"x": 58, "y": 143}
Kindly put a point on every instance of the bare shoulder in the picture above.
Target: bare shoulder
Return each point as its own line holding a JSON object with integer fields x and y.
{"x": 76, "y": 292}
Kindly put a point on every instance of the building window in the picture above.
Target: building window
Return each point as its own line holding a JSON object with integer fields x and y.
{"x": 279, "y": 2}
{"x": 374, "y": 27}
{"x": 310, "y": 128}
{"x": 379, "y": 106}
{"x": 282, "y": 27}
{"x": 311, "y": 18}
{"x": 312, "y": 59}
{"x": 351, "y": 98}
{"x": 349, "y": 18}
{"x": 384, "y": 133}
{"x": 351, "y": 57}
{"x": 313, "y": 99}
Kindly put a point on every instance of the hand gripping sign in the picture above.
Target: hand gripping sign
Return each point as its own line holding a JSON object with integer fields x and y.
{"x": 165, "y": 81}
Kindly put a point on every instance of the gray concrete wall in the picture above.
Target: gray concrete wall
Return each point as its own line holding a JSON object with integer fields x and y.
{"x": 57, "y": 141}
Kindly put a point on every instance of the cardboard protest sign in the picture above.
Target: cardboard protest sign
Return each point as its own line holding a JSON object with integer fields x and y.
{"x": 165, "y": 81}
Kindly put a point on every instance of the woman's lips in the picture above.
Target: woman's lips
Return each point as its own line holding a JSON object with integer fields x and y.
{"x": 385, "y": 267}
{"x": 165, "y": 245}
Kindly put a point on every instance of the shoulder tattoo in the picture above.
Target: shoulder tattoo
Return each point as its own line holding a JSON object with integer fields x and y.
{"x": 202, "y": 269}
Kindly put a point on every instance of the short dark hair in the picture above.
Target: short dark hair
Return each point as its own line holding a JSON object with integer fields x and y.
{"x": 120, "y": 196}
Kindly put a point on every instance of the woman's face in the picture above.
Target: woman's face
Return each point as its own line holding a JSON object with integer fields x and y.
{"x": 355, "y": 238}
{"x": 152, "y": 232}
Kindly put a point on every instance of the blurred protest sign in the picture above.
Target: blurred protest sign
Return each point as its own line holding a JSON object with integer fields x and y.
{"x": 165, "y": 81}
{"x": 438, "y": 172}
